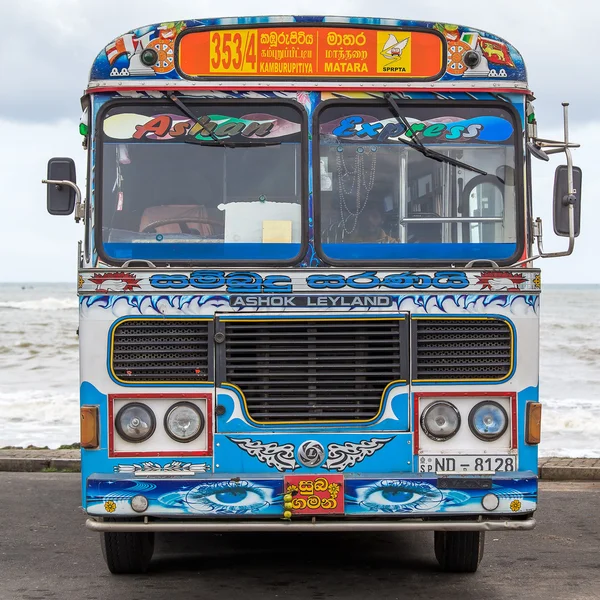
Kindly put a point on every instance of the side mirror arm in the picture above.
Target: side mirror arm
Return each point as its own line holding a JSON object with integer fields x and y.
{"x": 538, "y": 234}
{"x": 79, "y": 205}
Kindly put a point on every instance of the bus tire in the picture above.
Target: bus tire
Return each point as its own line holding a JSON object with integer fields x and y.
{"x": 459, "y": 551}
{"x": 127, "y": 552}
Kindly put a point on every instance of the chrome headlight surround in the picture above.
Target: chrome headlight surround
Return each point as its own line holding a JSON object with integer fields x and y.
{"x": 196, "y": 410}
{"x": 452, "y": 413}
{"x": 483, "y": 435}
{"x": 135, "y": 422}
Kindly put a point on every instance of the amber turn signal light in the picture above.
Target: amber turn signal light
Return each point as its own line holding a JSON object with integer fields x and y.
{"x": 89, "y": 427}
{"x": 533, "y": 433}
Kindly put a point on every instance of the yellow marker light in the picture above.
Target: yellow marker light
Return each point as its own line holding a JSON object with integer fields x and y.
{"x": 288, "y": 498}
{"x": 533, "y": 433}
{"x": 89, "y": 427}
{"x": 287, "y": 514}
{"x": 288, "y": 506}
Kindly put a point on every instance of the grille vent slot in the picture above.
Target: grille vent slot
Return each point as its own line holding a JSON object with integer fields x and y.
{"x": 313, "y": 370}
{"x": 152, "y": 350}
{"x": 464, "y": 349}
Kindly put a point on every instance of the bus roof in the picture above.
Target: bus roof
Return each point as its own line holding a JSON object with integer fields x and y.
{"x": 308, "y": 52}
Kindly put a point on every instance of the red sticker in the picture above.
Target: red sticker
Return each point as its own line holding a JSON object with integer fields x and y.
{"x": 316, "y": 494}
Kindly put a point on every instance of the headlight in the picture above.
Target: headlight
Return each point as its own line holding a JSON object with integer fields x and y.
{"x": 184, "y": 422}
{"x": 135, "y": 422}
{"x": 488, "y": 420}
{"x": 440, "y": 421}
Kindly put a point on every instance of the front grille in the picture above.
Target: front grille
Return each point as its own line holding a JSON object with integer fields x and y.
{"x": 312, "y": 370}
{"x": 169, "y": 350}
{"x": 462, "y": 349}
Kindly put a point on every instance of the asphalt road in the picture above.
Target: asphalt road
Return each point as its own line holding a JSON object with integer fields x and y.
{"x": 46, "y": 553}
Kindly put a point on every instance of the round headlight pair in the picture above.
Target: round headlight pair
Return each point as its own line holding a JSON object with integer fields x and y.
{"x": 135, "y": 422}
{"x": 487, "y": 420}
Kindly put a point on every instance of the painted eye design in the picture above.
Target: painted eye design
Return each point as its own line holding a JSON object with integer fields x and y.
{"x": 229, "y": 498}
{"x": 395, "y": 495}
{"x": 235, "y": 498}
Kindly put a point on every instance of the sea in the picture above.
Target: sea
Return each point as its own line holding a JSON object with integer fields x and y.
{"x": 39, "y": 370}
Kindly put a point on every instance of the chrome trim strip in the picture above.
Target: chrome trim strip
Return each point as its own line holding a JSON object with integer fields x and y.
{"x": 132, "y": 84}
{"x": 323, "y": 525}
{"x": 164, "y": 474}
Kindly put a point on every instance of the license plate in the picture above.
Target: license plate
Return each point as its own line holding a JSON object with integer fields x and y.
{"x": 467, "y": 464}
{"x": 316, "y": 494}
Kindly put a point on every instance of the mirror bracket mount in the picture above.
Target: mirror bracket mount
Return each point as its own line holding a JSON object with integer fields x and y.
{"x": 555, "y": 147}
{"x": 79, "y": 204}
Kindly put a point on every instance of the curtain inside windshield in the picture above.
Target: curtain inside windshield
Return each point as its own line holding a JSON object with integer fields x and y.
{"x": 226, "y": 186}
{"x": 381, "y": 196}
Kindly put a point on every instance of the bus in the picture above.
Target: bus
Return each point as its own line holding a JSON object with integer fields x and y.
{"x": 307, "y": 288}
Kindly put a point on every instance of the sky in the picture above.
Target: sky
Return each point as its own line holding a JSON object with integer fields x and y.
{"x": 51, "y": 45}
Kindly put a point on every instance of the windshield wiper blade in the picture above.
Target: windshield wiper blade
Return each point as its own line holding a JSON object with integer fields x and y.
{"x": 192, "y": 140}
{"x": 216, "y": 140}
{"x": 186, "y": 111}
{"x": 418, "y": 144}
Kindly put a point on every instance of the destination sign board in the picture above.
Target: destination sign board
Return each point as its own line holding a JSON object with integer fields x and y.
{"x": 311, "y": 53}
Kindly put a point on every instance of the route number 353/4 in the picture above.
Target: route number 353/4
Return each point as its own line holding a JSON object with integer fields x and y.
{"x": 233, "y": 51}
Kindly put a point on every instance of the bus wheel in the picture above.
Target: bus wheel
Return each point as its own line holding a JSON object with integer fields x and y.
{"x": 127, "y": 552}
{"x": 459, "y": 551}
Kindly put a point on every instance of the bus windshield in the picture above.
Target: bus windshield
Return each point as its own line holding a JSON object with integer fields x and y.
{"x": 225, "y": 185}
{"x": 386, "y": 191}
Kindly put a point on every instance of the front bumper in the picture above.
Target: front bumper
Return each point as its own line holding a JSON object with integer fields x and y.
{"x": 407, "y": 501}
{"x": 323, "y": 525}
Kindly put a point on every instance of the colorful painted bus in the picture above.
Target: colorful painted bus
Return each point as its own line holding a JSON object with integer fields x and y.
{"x": 307, "y": 291}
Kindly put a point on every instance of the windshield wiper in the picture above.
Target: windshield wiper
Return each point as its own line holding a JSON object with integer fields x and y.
{"x": 216, "y": 140}
{"x": 418, "y": 144}
{"x": 186, "y": 111}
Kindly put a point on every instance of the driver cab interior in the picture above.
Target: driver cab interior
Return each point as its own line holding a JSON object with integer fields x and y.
{"x": 189, "y": 192}
{"x": 412, "y": 196}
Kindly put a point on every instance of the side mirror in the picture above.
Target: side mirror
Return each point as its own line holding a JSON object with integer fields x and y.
{"x": 563, "y": 199}
{"x": 62, "y": 187}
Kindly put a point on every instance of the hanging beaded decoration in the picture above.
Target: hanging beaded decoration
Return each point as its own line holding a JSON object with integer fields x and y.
{"x": 358, "y": 180}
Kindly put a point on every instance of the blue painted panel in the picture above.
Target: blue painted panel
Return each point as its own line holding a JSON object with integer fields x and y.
{"x": 94, "y": 461}
{"x": 172, "y": 497}
{"x": 394, "y": 416}
{"x": 417, "y": 496}
{"x": 419, "y": 251}
{"x": 260, "y": 497}
{"x": 528, "y": 455}
{"x": 371, "y": 452}
{"x": 169, "y": 251}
